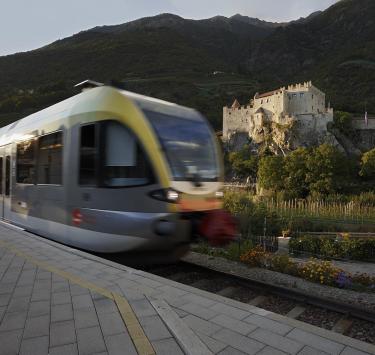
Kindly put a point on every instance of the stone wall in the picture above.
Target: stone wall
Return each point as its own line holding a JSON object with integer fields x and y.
{"x": 236, "y": 120}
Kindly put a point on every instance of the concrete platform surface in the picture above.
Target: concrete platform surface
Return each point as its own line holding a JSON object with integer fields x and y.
{"x": 58, "y": 300}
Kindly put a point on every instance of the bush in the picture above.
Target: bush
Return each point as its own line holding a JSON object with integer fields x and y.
{"x": 336, "y": 248}
{"x": 322, "y": 272}
{"x": 256, "y": 257}
{"x": 252, "y": 217}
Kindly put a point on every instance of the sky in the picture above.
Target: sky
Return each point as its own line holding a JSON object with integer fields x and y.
{"x": 30, "y": 24}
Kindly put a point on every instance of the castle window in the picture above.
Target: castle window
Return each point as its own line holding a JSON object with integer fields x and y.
{"x": 312, "y": 96}
{"x": 261, "y": 101}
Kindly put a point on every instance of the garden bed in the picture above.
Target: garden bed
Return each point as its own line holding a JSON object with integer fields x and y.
{"x": 365, "y": 300}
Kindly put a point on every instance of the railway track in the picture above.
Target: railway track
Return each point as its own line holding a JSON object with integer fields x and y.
{"x": 342, "y": 318}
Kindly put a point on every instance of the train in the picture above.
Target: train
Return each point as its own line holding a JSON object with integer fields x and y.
{"x": 110, "y": 171}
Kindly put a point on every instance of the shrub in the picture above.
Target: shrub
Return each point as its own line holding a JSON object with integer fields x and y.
{"x": 256, "y": 257}
{"x": 323, "y": 272}
{"x": 341, "y": 247}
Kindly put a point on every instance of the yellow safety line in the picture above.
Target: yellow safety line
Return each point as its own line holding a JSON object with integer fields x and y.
{"x": 129, "y": 318}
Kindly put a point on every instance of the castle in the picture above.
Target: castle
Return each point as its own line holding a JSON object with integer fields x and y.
{"x": 301, "y": 107}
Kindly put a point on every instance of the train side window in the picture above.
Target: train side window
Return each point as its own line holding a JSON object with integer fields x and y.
{"x": 1, "y": 175}
{"x": 125, "y": 163}
{"x": 26, "y": 162}
{"x": 49, "y": 167}
{"x": 88, "y": 154}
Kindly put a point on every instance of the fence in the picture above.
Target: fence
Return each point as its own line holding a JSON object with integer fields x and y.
{"x": 336, "y": 212}
{"x": 268, "y": 243}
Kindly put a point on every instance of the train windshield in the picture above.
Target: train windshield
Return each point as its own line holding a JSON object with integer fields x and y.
{"x": 188, "y": 144}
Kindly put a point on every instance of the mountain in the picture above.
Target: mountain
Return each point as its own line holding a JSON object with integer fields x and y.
{"x": 335, "y": 48}
{"x": 203, "y": 63}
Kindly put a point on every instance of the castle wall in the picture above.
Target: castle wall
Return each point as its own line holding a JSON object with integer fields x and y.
{"x": 305, "y": 100}
{"x": 273, "y": 103}
{"x": 236, "y": 120}
{"x": 360, "y": 124}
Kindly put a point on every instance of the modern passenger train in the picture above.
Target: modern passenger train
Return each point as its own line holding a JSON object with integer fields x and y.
{"x": 110, "y": 171}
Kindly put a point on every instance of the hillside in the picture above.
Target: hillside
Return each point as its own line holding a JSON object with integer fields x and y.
{"x": 203, "y": 63}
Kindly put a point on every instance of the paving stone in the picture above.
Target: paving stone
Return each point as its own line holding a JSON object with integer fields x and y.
{"x": 62, "y": 333}
{"x": 111, "y": 323}
{"x": 69, "y": 349}
{"x": 5, "y": 299}
{"x": 41, "y": 295}
{"x": 18, "y": 304}
{"x": 10, "y": 277}
{"x": 316, "y": 341}
{"x": 2, "y": 312}
{"x": 143, "y": 308}
{"x": 116, "y": 344}
{"x": 202, "y": 301}
{"x": 180, "y": 312}
{"x": 90, "y": 340}
{"x": 214, "y": 345}
{"x": 268, "y": 350}
{"x": 167, "y": 347}
{"x": 203, "y": 326}
{"x": 230, "y": 311}
{"x": 287, "y": 345}
{"x": 231, "y": 351}
{"x": 85, "y": 318}
{"x": 13, "y": 321}
{"x": 23, "y": 291}
{"x": 234, "y": 324}
{"x": 61, "y": 312}
{"x": 173, "y": 300}
{"x": 34, "y": 346}
{"x": 149, "y": 282}
{"x": 105, "y": 305}
{"x": 43, "y": 275}
{"x": 238, "y": 341}
{"x": 39, "y": 308}
{"x": 154, "y": 328}
{"x": 307, "y": 350}
{"x": 6, "y": 288}
{"x": 43, "y": 285}
{"x": 173, "y": 291}
{"x": 269, "y": 324}
{"x": 350, "y": 351}
{"x": 82, "y": 301}
{"x": 61, "y": 298}
{"x": 10, "y": 341}
{"x": 199, "y": 311}
{"x": 36, "y": 327}
{"x": 77, "y": 290}
{"x": 60, "y": 287}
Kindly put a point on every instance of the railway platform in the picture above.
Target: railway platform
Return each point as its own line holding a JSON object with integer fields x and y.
{"x": 58, "y": 300}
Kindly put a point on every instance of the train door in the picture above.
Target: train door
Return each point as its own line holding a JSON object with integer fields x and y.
{"x": 6, "y": 182}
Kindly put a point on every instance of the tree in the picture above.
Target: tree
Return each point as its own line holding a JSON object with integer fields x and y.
{"x": 243, "y": 163}
{"x": 295, "y": 166}
{"x": 343, "y": 121}
{"x": 368, "y": 165}
{"x": 271, "y": 172}
{"x": 327, "y": 170}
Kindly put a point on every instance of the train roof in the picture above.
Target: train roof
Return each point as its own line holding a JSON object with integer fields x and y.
{"x": 78, "y": 104}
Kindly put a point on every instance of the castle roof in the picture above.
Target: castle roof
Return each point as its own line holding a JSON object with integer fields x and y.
{"x": 269, "y": 93}
{"x": 236, "y": 104}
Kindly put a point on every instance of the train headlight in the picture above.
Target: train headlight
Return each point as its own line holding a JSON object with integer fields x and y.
{"x": 219, "y": 194}
{"x": 167, "y": 195}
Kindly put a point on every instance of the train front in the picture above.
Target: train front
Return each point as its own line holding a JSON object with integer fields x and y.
{"x": 193, "y": 155}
